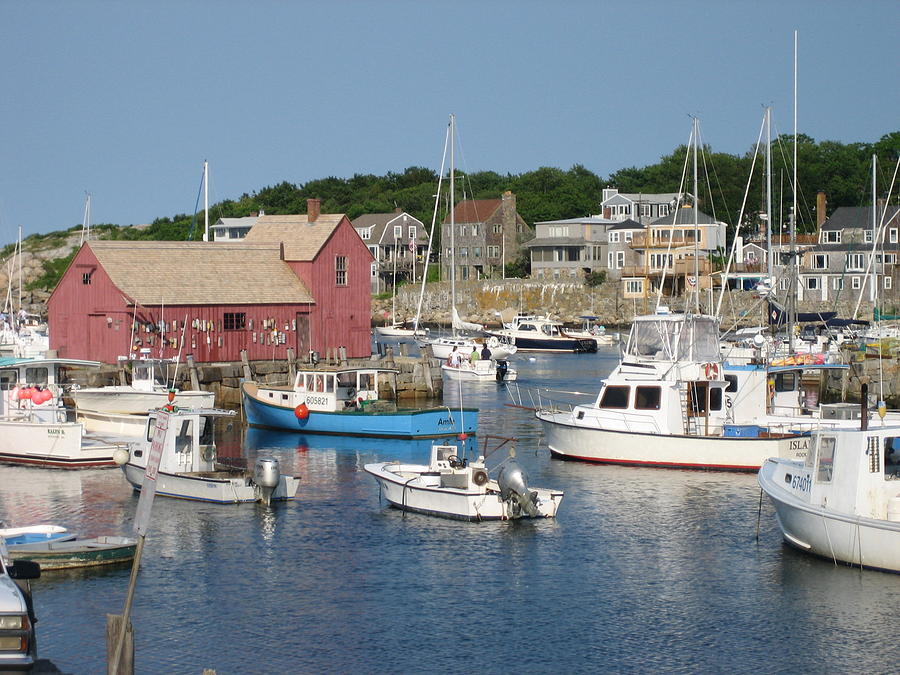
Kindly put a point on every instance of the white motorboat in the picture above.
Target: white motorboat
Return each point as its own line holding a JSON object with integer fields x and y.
{"x": 483, "y": 370}
{"x": 188, "y": 466}
{"x": 593, "y": 331}
{"x": 543, "y": 335}
{"x": 33, "y": 424}
{"x": 148, "y": 390}
{"x": 453, "y": 487}
{"x": 665, "y": 405}
{"x": 442, "y": 347}
{"x": 843, "y": 501}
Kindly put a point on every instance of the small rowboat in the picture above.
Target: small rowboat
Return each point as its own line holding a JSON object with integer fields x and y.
{"x": 34, "y": 534}
{"x": 60, "y": 555}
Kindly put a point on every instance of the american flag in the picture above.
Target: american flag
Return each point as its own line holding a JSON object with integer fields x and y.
{"x": 412, "y": 246}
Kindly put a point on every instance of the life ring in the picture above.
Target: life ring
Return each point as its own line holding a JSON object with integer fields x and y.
{"x": 493, "y": 342}
{"x": 711, "y": 371}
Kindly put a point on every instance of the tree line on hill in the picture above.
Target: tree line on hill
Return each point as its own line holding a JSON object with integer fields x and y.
{"x": 842, "y": 171}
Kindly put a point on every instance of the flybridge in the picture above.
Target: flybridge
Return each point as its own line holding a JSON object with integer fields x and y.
{"x": 674, "y": 337}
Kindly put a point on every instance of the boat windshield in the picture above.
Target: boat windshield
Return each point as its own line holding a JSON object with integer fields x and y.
{"x": 682, "y": 339}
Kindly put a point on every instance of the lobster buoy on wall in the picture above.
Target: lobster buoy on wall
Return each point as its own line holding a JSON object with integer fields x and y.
{"x": 301, "y": 411}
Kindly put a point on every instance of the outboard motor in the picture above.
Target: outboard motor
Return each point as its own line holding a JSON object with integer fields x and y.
{"x": 514, "y": 487}
{"x": 502, "y": 368}
{"x": 266, "y": 475}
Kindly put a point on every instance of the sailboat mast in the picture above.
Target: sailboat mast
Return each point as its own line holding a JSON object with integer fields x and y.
{"x": 792, "y": 297}
{"x": 874, "y": 290}
{"x": 20, "y": 268}
{"x": 769, "y": 219}
{"x": 696, "y": 224}
{"x": 452, "y": 217}
{"x": 205, "y": 200}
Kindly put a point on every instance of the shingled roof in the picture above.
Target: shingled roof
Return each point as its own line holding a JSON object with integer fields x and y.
{"x": 474, "y": 210}
{"x": 200, "y": 273}
{"x": 302, "y": 240}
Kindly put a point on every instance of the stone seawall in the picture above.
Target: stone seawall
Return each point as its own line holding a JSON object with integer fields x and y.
{"x": 881, "y": 374}
{"x": 418, "y": 378}
{"x": 485, "y": 300}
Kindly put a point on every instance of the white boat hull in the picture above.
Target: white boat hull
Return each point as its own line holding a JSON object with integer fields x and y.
{"x": 836, "y": 536}
{"x": 426, "y": 495}
{"x": 396, "y": 331}
{"x": 208, "y": 487}
{"x": 482, "y": 371}
{"x": 127, "y": 400}
{"x": 569, "y": 441}
{"x": 53, "y": 444}
{"x": 113, "y": 424}
{"x": 441, "y": 348}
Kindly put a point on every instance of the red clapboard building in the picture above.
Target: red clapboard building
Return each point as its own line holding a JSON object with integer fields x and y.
{"x": 294, "y": 281}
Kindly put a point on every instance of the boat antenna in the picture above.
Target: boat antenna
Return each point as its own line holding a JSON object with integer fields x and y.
{"x": 437, "y": 201}
{"x": 180, "y": 347}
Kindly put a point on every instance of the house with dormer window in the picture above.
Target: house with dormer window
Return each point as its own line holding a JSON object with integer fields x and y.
{"x": 642, "y": 208}
{"x": 396, "y": 240}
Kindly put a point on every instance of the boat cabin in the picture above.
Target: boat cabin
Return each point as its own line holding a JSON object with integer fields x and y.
{"x": 33, "y": 388}
{"x": 334, "y": 389}
{"x": 188, "y": 442}
{"x": 851, "y": 471}
{"x": 148, "y": 374}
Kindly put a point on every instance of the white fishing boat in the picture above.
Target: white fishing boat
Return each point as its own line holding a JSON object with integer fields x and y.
{"x": 442, "y": 347}
{"x": 451, "y": 486}
{"x": 184, "y": 440}
{"x": 842, "y": 502}
{"x": 34, "y": 428}
{"x": 482, "y": 370}
{"x": 665, "y": 405}
{"x": 148, "y": 390}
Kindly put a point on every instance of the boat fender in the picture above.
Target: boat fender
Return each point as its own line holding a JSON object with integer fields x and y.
{"x": 479, "y": 477}
{"x": 301, "y": 411}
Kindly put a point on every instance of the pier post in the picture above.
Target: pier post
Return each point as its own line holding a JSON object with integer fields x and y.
{"x": 126, "y": 659}
{"x": 248, "y": 374}
{"x": 292, "y": 364}
{"x": 342, "y": 355}
{"x": 192, "y": 369}
{"x": 404, "y": 349}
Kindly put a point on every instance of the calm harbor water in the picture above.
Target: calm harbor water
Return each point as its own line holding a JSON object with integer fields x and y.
{"x": 644, "y": 569}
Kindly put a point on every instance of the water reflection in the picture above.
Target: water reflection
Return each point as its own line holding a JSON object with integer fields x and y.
{"x": 644, "y": 569}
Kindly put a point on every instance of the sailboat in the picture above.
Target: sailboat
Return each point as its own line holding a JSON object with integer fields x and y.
{"x": 442, "y": 346}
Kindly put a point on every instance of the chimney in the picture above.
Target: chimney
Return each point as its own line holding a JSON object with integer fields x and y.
{"x": 312, "y": 210}
{"x": 821, "y": 203}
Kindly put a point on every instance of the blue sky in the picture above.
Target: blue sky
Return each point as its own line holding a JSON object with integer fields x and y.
{"x": 126, "y": 99}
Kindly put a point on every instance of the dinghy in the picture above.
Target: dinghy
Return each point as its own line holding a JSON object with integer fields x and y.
{"x": 451, "y": 486}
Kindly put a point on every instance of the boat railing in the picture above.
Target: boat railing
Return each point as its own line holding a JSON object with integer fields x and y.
{"x": 543, "y": 399}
